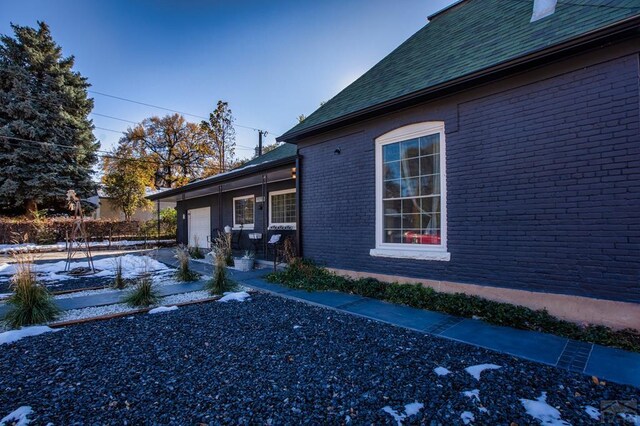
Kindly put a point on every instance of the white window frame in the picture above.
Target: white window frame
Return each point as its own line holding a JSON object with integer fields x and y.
{"x": 248, "y": 226}
{"x": 411, "y": 251}
{"x": 290, "y": 225}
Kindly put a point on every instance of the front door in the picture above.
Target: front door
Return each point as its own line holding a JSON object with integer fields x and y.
{"x": 199, "y": 227}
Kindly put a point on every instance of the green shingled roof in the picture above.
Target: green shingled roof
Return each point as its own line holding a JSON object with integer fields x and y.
{"x": 469, "y": 37}
{"x": 283, "y": 151}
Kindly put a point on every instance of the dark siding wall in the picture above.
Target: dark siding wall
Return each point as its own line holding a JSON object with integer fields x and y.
{"x": 543, "y": 180}
{"x": 227, "y": 211}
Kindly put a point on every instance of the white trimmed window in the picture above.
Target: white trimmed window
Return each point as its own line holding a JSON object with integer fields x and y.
{"x": 244, "y": 209}
{"x": 411, "y": 219}
{"x": 282, "y": 209}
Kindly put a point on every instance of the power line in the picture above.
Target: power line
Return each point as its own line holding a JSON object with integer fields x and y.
{"x": 168, "y": 109}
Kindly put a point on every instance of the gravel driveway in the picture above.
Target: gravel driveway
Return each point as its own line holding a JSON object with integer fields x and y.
{"x": 274, "y": 361}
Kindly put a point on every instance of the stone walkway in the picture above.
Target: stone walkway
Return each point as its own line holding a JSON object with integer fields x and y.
{"x": 594, "y": 360}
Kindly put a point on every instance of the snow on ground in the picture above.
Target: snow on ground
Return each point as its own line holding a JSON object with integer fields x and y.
{"x": 592, "y": 412}
{"x": 633, "y": 419}
{"x": 18, "y": 417}
{"x": 409, "y": 410}
{"x": 474, "y": 395}
{"x": 161, "y": 309}
{"x": 132, "y": 266}
{"x": 545, "y": 413}
{"x": 239, "y": 296}
{"x": 15, "y": 335}
{"x": 61, "y": 246}
{"x": 76, "y": 314}
{"x": 441, "y": 371}
{"x": 476, "y": 370}
{"x": 467, "y": 417}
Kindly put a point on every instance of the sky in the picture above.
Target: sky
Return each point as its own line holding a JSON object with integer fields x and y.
{"x": 270, "y": 60}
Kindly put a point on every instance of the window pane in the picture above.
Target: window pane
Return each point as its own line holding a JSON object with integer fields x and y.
{"x": 410, "y": 187}
{"x": 392, "y": 170}
{"x": 430, "y": 221}
{"x": 430, "y": 165}
{"x": 430, "y": 144}
{"x": 430, "y": 185}
{"x": 392, "y": 189}
{"x": 411, "y": 221}
{"x": 393, "y": 236}
{"x": 411, "y": 205}
{"x": 392, "y": 221}
{"x": 391, "y": 152}
{"x": 410, "y": 168}
{"x": 244, "y": 211}
{"x": 431, "y": 204}
{"x": 392, "y": 207}
{"x": 410, "y": 149}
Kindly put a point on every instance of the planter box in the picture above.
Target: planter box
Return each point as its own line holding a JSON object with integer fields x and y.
{"x": 243, "y": 264}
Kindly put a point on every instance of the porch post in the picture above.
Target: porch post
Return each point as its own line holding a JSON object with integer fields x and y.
{"x": 158, "y": 223}
{"x": 298, "y": 207}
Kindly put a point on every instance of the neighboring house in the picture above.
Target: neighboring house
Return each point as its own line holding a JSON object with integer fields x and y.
{"x": 254, "y": 202}
{"x": 106, "y": 208}
{"x": 493, "y": 154}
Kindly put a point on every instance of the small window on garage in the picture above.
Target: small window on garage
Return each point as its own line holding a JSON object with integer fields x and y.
{"x": 244, "y": 212}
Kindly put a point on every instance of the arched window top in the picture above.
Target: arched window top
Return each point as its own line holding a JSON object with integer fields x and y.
{"x": 411, "y": 130}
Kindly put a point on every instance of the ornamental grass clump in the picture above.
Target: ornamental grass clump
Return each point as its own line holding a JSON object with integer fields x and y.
{"x": 30, "y": 303}
{"x": 184, "y": 272}
{"x": 144, "y": 294}
{"x": 118, "y": 281}
{"x": 195, "y": 251}
{"x": 220, "y": 283}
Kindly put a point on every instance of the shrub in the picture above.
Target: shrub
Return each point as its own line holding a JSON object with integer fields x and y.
{"x": 304, "y": 274}
{"x": 30, "y": 303}
{"x": 144, "y": 293}
{"x": 184, "y": 272}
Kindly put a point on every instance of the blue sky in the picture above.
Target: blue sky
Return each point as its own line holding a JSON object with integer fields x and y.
{"x": 272, "y": 61}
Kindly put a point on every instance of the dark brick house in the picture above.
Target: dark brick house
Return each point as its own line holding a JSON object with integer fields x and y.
{"x": 253, "y": 203}
{"x": 492, "y": 153}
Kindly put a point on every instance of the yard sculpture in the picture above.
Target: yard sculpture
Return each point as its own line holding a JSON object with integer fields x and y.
{"x": 78, "y": 242}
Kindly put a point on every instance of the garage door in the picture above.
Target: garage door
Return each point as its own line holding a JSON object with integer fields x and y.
{"x": 199, "y": 225}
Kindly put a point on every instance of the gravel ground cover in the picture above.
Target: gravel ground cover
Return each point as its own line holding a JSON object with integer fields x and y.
{"x": 271, "y": 360}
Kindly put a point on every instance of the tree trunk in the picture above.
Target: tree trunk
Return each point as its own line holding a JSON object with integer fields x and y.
{"x": 31, "y": 208}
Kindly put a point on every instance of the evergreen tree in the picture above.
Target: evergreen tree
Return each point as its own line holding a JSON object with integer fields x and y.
{"x": 222, "y": 138}
{"x": 42, "y": 99}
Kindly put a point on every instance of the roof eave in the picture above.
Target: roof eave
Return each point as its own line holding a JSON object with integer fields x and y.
{"x": 467, "y": 80}
{"x": 213, "y": 181}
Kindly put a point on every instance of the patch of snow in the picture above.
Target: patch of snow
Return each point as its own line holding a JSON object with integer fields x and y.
{"x": 132, "y": 266}
{"x": 239, "y": 296}
{"x": 634, "y": 419}
{"x": 161, "y": 309}
{"x": 295, "y": 327}
{"x": 476, "y": 370}
{"x": 409, "y": 410}
{"x": 441, "y": 371}
{"x": 467, "y": 417}
{"x": 15, "y": 335}
{"x": 592, "y": 412}
{"x": 18, "y": 417}
{"x": 483, "y": 410}
{"x": 472, "y": 394}
{"x": 545, "y": 413}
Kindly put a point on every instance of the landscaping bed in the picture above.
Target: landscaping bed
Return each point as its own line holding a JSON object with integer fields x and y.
{"x": 303, "y": 274}
{"x": 272, "y": 360}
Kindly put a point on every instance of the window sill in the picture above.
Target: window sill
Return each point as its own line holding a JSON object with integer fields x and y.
{"x": 277, "y": 227}
{"x": 243, "y": 228}
{"x": 442, "y": 256}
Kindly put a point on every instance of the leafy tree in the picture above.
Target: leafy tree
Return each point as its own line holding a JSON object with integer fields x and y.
{"x": 222, "y": 137}
{"x": 126, "y": 178}
{"x": 178, "y": 148}
{"x": 42, "y": 99}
